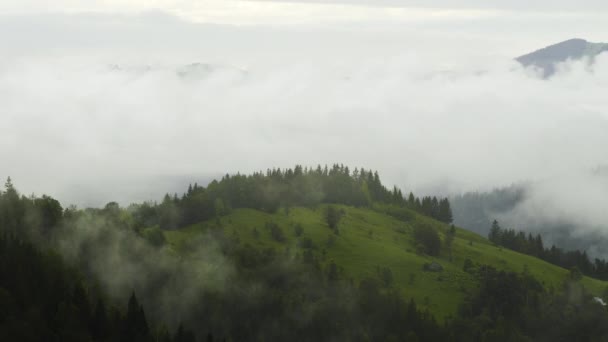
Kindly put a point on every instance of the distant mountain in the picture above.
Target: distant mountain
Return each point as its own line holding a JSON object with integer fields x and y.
{"x": 573, "y": 49}
{"x": 189, "y": 72}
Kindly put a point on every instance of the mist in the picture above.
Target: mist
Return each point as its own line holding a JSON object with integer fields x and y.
{"x": 107, "y": 106}
{"x": 109, "y": 122}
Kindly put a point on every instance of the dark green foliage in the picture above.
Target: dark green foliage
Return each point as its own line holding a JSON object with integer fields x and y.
{"x": 514, "y": 307}
{"x": 135, "y": 327}
{"x": 428, "y": 238}
{"x": 41, "y": 299}
{"x": 438, "y": 209}
{"x": 154, "y": 236}
{"x": 331, "y": 240}
{"x": 495, "y": 233}
{"x": 444, "y": 213}
{"x": 575, "y": 274}
{"x": 144, "y": 214}
{"x": 276, "y": 232}
{"x": 298, "y": 230}
{"x": 306, "y": 243}
{"x": 468, "y": 265}
{"x": 285, "y": 188}
{"x": 533, "y": 245}
{"x": 387, "y": 276}
{"x": 100, "y": 325}
{"x": 272, "y": 298}
{"x": 449, "y": 240}
{"x": 332, "y": 217}
{"x": 28, "y": 217}
{"x": 183, "y": 335}
{"x": 48, "y": 212}
{"x": 332, "y": 273}
{"x": 401, "y": 213}
{"x": 169, "y": 213}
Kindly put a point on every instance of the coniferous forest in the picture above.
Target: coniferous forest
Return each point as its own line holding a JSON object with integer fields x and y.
{"x": 109, "y": 274}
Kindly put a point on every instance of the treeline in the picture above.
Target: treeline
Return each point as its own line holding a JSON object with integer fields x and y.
{"x": 521, "y": 242}
{"x": 268, "y": 297}
{"x": 17, "y": 212}
{"x": 42, "y": 298}
{"x": 476, "y": 211}
{"x": 300, "y": 186}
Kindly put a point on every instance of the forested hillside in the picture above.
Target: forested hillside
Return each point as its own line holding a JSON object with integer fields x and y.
{"x": 303, "y": 254}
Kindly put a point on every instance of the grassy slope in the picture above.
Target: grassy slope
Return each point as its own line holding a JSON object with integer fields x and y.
{"x": 391, "y": 245}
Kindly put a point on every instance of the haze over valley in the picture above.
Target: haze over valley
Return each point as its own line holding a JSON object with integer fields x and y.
{"x": 282, "y": 170}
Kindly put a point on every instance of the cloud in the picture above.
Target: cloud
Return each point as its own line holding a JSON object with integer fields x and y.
{"x": 520, "y": 5}
{"x": 87, "y": 122}
{"x": 171, "y": 287}
{"x": 98, "y": 108}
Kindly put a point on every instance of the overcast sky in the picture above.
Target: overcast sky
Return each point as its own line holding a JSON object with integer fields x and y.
{"x": 93, "y": 107}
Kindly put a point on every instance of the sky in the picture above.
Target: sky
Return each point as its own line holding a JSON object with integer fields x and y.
{"x": 126, "y": 100}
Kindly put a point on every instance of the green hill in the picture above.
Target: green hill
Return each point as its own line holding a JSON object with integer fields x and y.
{"x": 296, "y": 255}
{"x": 370, "y": 241}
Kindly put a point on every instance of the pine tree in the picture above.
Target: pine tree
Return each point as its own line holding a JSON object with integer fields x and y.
{"x": 135, "y": 327}
{"x": 99, "y": 323}
{"x": 495, "y": 233}
{"x": 445, "y": 212}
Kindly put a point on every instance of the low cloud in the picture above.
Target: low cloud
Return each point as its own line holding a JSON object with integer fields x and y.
{"x": 91, "y": 125}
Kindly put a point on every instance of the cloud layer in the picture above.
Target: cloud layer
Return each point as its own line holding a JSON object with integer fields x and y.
{"x": 81, "y": 122}
{"x": 105, "y": 107}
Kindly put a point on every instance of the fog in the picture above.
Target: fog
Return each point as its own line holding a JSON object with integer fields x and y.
{"x": 107, "y": 107}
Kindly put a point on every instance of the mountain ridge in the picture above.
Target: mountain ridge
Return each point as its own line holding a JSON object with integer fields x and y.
{"x": 546, "y": 58}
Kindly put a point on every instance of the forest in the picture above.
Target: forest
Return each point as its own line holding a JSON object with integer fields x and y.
{"x": 533, "y": 245}
{"x": 53, "y": 286}
{"x": 276, "y": 188}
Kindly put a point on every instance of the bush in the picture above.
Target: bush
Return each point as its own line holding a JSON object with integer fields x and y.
{"x": 154, "y": 236}
{"x": 332, "y": 217}
{"x": 387, "y": 276}
{"x": 306, "y": 243}
{"x": 276, "y": 232}
{"x": 468, "y": 265}
{"x": 397, "y": 212}
{"x": 298, "y": 230}
{"x": 428, "y": 238}
{"x": 331, "y": 240}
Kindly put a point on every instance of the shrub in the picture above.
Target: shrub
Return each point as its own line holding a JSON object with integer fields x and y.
{"x": 306, "y": 243}
{"x": 332, "y": 217}
{"x": 298, "y": 230}
{"x": 276, "y": 232}
{"x": 468, "y": 265}
{"x": 428, "y": 238}
{"x": 154, "y": 236}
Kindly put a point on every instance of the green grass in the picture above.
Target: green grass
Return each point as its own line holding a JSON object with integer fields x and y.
{"x": 369, "y": 239}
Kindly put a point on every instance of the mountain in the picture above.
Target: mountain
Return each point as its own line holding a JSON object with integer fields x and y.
{"x": 476, "y": 211}
{"x": 573, "y": 49}
{"x": 188, "y": 72}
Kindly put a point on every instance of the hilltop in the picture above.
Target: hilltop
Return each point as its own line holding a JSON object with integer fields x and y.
{"x": 572, "y": 49}
{"x": 302, "y": 254}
